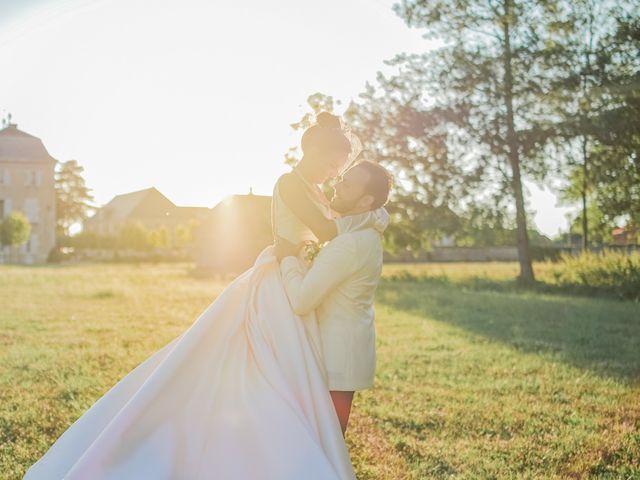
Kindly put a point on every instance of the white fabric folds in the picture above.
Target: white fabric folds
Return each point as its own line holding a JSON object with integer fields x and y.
{"x": 242, "y": 394}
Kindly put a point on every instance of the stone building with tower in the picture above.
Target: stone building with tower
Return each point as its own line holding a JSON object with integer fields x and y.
{"x": 27, "y": 185}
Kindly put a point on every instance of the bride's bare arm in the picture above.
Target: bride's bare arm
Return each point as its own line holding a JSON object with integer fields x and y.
{"x": 297, "y": 200}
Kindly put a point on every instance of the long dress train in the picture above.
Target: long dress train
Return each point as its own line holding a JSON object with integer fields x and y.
{"x": 241, "y": 394}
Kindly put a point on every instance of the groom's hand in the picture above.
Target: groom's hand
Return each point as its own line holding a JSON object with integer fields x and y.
{"x": 284, "y": 248}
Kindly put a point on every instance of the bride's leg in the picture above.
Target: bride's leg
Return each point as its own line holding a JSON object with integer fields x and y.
{"x": 342, "y": 402}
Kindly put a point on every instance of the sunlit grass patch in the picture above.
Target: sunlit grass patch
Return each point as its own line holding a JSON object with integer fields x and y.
{"x": 472, "y": 382}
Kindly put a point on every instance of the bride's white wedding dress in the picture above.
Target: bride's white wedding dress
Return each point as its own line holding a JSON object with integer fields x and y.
{"x": 240, "y": 395}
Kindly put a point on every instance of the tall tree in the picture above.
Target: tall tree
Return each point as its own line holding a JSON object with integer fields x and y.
{"x": 583, "y": 20}
{"x": 73, "y": 197}
{"x": 583, "y": 56}
{"x": 409, "y": 136}
{"x": 616, "y": 162}
{"x": 489, "y": 72}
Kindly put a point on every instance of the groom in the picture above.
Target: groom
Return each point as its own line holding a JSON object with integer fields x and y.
{"x": 340, "y": 286}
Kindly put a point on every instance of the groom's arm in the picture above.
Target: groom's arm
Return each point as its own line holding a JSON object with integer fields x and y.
{"x": 335, "y": 263}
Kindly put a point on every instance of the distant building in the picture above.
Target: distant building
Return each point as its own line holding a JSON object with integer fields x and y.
{"x": 148, "y": 207}
{"x": 234, "y": 233}
{"x": 27, "y": 185}
{"x": 624, "y": 236}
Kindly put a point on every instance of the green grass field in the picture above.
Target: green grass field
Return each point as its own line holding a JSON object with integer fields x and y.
{"x": 476, "y": 378}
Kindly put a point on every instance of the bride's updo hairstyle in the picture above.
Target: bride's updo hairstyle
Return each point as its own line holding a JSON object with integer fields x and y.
{"x": 325, "y": 137}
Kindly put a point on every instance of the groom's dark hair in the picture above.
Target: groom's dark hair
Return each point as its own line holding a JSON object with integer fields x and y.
{"x": 379, "y": 184}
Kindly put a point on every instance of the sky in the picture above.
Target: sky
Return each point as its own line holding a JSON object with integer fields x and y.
{"x": 193, "y": 97}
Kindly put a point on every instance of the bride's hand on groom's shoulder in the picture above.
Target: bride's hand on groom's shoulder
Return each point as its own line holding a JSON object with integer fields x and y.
{"x": 284, "y": 248}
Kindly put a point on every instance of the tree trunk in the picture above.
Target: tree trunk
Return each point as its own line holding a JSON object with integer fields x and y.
{"x": 524, "y": 253}
{"x": 585, "y": 184}
{"x": 583, "y": 124}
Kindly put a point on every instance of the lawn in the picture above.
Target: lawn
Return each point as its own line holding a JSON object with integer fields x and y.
{"x": 476, "y": 377}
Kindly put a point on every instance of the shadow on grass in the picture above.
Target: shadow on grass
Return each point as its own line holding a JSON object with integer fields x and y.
{"x": 597, "y": 334}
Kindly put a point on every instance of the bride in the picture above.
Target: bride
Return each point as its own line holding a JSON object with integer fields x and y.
{"x": 241, "y": 394}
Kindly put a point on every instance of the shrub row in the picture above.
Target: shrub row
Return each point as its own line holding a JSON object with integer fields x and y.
{"x": 607, "y": 272}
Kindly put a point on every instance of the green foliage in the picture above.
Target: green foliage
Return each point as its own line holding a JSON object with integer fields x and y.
{"x": 134, "y": 236}
{"x": 616, "y": 171}
{"x": 185, "y": 234}
{"x": 516, "y": 88}
{"x": 92, "y": 240}
{"x": 610, "y": 272}
{"x": 599, "y": 225}
{"x": 484, "y": 226}
{"x": 73, "y": 197}
{"x": 158, "y": 238}
{"x": 616, "y": 160}
{"x": 15, "y": 230}
{"x": 432, "y": 179}
{"x": 468, "y": 118}
{"x": 595, "y": 97}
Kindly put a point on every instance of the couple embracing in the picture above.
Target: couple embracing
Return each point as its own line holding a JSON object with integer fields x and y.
{"x": 260, "y": 385}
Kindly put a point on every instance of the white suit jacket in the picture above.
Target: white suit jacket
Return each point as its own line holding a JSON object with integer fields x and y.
{"x": 340, "y": 285}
